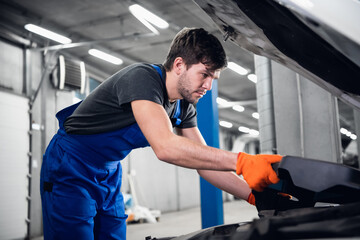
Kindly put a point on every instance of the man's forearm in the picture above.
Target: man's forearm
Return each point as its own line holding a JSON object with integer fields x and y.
{"x": 188, "y": 150}
{"x": 185, "y": 152}
{"x": 228, "y": 182}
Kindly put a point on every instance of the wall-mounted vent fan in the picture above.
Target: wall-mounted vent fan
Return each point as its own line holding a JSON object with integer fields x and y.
{"x": 69, "y": 74}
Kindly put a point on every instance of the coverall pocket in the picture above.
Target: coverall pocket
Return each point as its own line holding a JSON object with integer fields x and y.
{"x": 69, "y": 218}
{"x": 74, "y": 207}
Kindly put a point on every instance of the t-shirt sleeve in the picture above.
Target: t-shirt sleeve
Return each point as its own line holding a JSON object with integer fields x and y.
{"x": 142, "y": 83}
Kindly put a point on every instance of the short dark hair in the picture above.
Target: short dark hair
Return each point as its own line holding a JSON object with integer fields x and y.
{"x": 196, "y": 45}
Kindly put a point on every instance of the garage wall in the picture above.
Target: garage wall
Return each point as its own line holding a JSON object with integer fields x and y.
{"x": 14, "y": 148}
{"x": 11, "y": 70}
{"x": 33, "y": 66}
{"x": 14, "y": 144}
{"x": 159, "y": 185}
{"x": 306, "y": 117}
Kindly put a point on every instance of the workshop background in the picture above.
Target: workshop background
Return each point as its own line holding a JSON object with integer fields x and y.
{"x": 310, "y": 121}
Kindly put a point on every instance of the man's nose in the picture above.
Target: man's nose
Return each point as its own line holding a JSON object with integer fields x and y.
{"x": 208, "y": 83}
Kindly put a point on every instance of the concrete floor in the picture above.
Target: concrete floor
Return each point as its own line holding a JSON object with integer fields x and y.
{"x": 183, "y": 222}
{"x": 179, "y": 223}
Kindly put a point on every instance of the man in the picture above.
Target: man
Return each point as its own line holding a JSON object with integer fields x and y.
{"x": 138, "y": 107}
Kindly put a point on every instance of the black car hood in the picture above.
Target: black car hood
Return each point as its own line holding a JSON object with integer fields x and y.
{"x": 298, "y": 37}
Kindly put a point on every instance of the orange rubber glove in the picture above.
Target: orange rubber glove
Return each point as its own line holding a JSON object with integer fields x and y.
{"x": 257, "y": 170}
{"x": 251, "y": 199}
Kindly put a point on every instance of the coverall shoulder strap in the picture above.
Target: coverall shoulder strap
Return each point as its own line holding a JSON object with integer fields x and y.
{"x": 158, "y": 69}
{"x": 176, "y": 117}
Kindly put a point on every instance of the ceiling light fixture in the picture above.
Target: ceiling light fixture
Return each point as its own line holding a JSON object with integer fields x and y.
{"x": 223, "y": 102}
{"x": 244, "y": 129}
{"x": 255, "y": 115}
{"x": 238, "y": 108}
{"x": 105, "y": 56}
{"x": 343, "y": 130}
{"x": 254, "y": 132}
{"x": 147, "y": 18}
{"x": 252, "y": 77}
{"x": 225, "y": 124}
{"x": 348, "y": 133}
{"x": 237, "y": 68}
{"x": 47, "y": 33}
{"x": 251, "y": 132}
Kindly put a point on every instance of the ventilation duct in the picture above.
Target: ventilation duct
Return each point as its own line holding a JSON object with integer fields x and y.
{"x": 69, "y": 74}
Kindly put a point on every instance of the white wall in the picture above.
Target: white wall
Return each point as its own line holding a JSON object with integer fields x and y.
{"x": 14, "y": 148}
{"x": 11, "y": 59}
{"x": 160, "y": 185}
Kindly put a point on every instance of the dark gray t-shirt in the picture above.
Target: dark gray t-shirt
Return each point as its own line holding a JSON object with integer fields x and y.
{"x": 108, "y": 107}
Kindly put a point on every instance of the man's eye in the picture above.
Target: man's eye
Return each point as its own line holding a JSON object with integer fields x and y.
{"x": 205, "y": 75}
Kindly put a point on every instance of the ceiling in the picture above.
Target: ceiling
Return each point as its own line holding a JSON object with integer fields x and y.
{"x": 109, "y": 26}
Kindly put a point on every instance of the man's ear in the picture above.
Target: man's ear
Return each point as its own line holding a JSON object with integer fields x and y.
{"x": 179, "y": 65}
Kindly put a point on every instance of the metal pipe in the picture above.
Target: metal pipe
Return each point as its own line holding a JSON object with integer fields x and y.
{"x": 301, "y": 116}
{"x": 265, "y": 105}
{"x": 26, "y": 76}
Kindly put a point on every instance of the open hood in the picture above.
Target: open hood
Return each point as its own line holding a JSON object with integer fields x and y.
{"x": 320, "y": 40}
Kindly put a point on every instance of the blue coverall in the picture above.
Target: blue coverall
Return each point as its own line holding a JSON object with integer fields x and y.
{"x": 81, "y": 180}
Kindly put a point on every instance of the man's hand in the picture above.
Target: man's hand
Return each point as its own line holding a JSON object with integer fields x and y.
{"x": 251, "y": 199}
{"x": 257, "y": 170}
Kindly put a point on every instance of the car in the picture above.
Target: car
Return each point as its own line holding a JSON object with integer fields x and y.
{"x": 320, "y": 40}
{"x": 313, "y": 200}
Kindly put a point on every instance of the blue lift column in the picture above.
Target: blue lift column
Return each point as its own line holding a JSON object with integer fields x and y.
{"x": 212, "y": 212}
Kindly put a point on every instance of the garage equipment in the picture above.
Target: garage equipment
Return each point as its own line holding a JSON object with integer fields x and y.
{"x": 136, "y": 212}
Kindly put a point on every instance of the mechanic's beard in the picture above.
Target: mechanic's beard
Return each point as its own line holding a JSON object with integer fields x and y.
{"x": 183, "y": 88}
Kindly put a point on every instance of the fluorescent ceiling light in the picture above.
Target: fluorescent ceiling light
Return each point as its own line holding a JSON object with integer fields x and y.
{"x": 252, "y": 77}
{"x": 106, "y": 57}
{"x": 225, "y": 124}
{"x": 255, "y": 115}
{"x": 238, "y": 108}
{"x": 48, "y": 34}
{"x": 254, "y": 132}
{"x": 244, "y": 129}
{"x": 147, "y": 18}
{"x": 343, "y": 130}
{"x": 348, "y": 133}
{"x": 223, "y": 102}
{"x": 237, "y": 68}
